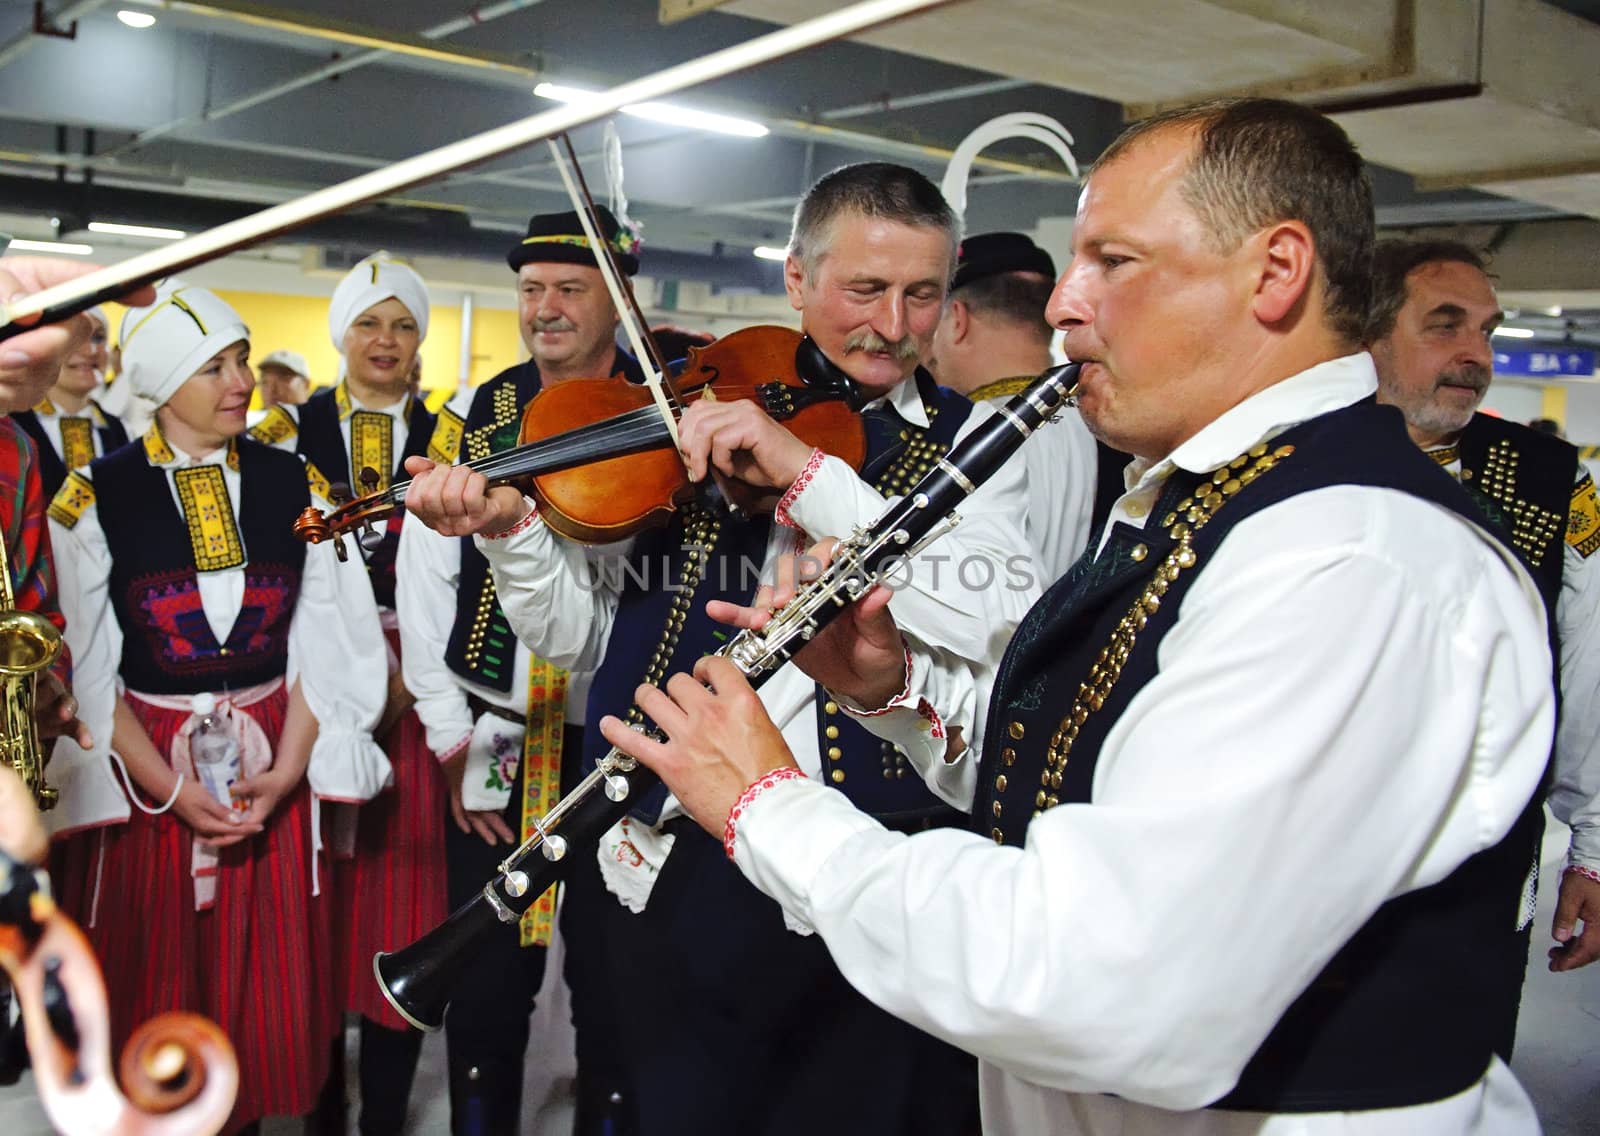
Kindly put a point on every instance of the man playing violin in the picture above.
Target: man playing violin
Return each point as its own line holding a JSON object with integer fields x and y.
{"x": 735, "y": 1022}
{"x": 497, "y": 715}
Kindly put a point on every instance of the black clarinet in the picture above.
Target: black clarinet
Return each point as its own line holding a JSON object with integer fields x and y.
{"x": 418, "y": 979}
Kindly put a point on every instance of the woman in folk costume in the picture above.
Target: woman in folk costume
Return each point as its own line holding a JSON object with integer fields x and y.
{"x": 69, "y": 428}
{"x": 211, "y": 646}
{"x": 393, "y": 888}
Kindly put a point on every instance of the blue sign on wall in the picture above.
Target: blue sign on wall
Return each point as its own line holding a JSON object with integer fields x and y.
{"x": 1565, "y": 362}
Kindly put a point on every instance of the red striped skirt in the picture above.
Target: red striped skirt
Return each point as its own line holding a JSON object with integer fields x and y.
{"x": 258, "y": 963}
{"x": 393, "y": 889}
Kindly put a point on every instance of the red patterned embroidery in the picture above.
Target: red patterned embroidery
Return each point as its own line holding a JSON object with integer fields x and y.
{"x": 455, "y": 749}
{"x": 925, "y": 709}
{"x": 747, "y": 798}
{"x": 1586, "y": 873}
{"x": 781, "y": 513}
{"x": 521, "y": 526}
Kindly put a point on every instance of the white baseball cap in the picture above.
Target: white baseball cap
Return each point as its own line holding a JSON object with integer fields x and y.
{"x": 289, "y": 361}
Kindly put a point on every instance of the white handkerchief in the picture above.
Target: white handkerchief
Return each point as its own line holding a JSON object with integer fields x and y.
{"x": 492, "y": 758}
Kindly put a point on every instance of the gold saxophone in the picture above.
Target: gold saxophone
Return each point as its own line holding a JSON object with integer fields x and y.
{"x": 29, "y": 643}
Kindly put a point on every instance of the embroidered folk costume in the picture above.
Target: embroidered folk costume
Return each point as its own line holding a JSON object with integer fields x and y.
{"x": 680, "y": 904}
{"x": 68, "y": 440}
{"x": 1298, "y": 552}
{"x": 185, "y": 578}
{"x": 516, "y": 721}
{"x": 390, "y": 875}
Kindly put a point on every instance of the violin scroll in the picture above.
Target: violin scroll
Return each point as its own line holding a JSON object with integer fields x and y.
{"x": 179, "y": 1071}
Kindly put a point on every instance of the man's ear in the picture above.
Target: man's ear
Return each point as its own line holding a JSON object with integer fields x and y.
{"x": 960, "y": 317}
{"x": 793, "y": 276}
{"x": 1286, "y": 269}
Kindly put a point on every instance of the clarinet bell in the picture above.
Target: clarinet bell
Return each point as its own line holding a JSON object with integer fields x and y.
{"x": 418, "y": 979}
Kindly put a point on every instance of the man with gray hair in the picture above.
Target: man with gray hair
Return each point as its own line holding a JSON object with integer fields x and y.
{"x": 1433, "y": 311}
{"x": 736, "y": 1022}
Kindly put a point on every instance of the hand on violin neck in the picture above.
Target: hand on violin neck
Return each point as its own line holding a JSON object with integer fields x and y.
{"x": 456, "y": 500}
{"x": 738, "y": 440}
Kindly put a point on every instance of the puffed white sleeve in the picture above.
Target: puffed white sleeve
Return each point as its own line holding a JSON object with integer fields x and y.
{"x": 338, "y": 654}
{"x": 89, "y": 794}
{"x": 559, "y": 597}
{"x": 1575, "y": 789}
{"x": 427, "y": 569}
{"x": 967, "y": 591}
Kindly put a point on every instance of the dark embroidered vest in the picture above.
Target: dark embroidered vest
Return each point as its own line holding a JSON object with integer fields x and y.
{"x": 482, "y": 646}
{"x": 1395, "y": 1019}
{"x": 708, "y": 553}
{"x": 322, "y": 440}
{"x": 168, "y": 646}
{"x": 52, "y": 470}
{"x": 1522, "y": 481}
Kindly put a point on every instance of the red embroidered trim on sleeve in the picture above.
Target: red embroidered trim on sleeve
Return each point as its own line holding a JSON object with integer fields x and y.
{"x": 455, "y": 749}
{"x": 521, "y": 526}
{"x": 747, "y": 798}
{"x": 1586, "y": 873}
{"x": 925, "y": 708}
{"x": 781, "y": 513}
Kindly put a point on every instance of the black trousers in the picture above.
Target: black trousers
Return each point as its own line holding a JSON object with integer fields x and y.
{"x": 487, "y": 1026}
{"x": 739, "y": 1026}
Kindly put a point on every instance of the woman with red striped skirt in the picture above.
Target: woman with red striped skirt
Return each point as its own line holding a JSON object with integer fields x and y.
{"x": 232, "y": 674}
{"x": 391, "y": 883}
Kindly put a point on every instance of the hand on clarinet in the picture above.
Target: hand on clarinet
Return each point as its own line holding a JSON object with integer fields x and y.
{"x": 860, "y": 654}
{"x": 720, "y": 739}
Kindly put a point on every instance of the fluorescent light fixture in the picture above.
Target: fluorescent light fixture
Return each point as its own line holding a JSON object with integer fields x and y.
{"x": 663, "y": 112}
{"x": 64, "y": 247}
{"x": 136, "y": 231}
{"x": 767, "y": 252}
{"x": 1514, "y": 332}
{"x": 136, "y": 19}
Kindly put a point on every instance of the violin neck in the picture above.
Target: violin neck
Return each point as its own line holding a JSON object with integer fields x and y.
{"x": 629, "y": 433}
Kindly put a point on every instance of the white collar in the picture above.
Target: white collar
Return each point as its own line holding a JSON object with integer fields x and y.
{"x": 905, "y": 400}
{"x": 1317, "y": 390}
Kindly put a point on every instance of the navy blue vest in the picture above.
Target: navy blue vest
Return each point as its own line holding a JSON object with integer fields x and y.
{"x": 168, "y": 646}
{"x": 708, "y": 553}
{"x": 321, "y": 440}
{"x": 1408, "y": 1011}
{"x": 482, "y": 646}
{"x": 52, "y": 470}
{"x": 1522, "y": 481}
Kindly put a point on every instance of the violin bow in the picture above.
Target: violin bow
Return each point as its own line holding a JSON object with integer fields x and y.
{"x": 63, "y": 300}
{"x": 622, "y": 297}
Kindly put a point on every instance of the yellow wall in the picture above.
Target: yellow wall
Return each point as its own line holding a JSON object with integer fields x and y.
{"x": 300, "y": 323}
{"x": 1555, "y": 404}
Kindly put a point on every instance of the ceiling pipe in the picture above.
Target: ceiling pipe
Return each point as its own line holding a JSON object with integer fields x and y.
{"x": 473, "y": 18}
{"x": 27, "y": 37}
{"x": 346, "y": 32}
{"x": 891, "y": 103}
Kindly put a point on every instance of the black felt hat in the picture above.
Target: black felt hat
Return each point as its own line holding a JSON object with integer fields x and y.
{"x": 558, "y": 238}
{"x": 990, "y": 254}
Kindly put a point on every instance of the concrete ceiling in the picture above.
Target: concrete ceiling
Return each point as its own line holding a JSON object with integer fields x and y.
{"x": 1483, "y": 115}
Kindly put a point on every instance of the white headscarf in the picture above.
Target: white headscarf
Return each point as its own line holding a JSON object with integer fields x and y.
{"x": 163, "y": 345}
{"x": 374, "y": 280}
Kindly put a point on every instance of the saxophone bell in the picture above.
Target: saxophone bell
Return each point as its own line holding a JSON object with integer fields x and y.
{"x": 29, "y": 643}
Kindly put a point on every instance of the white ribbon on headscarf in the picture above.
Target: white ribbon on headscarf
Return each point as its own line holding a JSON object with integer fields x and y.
{"x": 375, "y": 279}
{"x": 1022, "y": 124}
{"x": 164, "y": 344}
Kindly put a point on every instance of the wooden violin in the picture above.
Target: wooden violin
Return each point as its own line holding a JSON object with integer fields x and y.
{"x": 599, "y": 458}
{"x": 178, "y": 1070}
